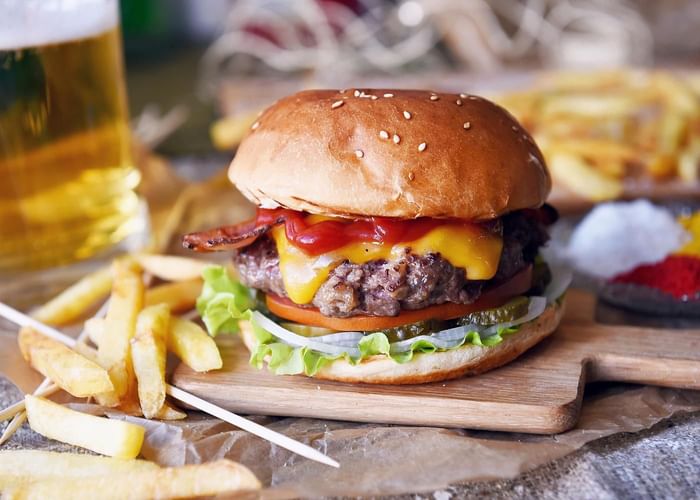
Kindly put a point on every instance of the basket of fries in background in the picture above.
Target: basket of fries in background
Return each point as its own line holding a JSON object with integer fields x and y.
{"x": 611, "y": 135}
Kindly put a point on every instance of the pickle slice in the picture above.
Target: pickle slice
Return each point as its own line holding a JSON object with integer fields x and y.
{"x": 507, "y": 312}
{"x": 404, "y": 332}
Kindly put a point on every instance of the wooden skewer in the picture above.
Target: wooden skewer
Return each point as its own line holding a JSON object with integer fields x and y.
{"x": 281, "y": 440}
{"x": 12, "y": 427}
{"x": 18, "y": 407}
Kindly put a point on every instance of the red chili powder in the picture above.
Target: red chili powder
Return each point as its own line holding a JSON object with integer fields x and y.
{"x": 678, "y": 275}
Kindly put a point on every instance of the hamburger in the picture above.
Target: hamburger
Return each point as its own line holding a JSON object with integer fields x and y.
{"x": 396, "y": 239}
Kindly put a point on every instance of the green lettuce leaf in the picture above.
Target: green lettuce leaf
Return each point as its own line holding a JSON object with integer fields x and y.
{"x": 224, "y": 302}
{"x": 373, "y": 344}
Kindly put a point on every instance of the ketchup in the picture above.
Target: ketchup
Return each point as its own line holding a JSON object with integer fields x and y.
{"x": 329, "y": 235}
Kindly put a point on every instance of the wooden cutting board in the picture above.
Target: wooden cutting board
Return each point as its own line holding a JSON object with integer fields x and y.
{"x": 540, "y": 392}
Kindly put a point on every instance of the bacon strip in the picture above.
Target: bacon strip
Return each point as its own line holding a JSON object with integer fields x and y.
{"x": 227, "y": 237}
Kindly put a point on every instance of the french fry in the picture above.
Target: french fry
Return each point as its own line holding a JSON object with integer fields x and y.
{"x": 95, "y": 328}
{"x": 590, "y": 105}
{"x": 662, "y": 166}
{"x": 148, "y": 354}
{"x": 677, "y": 93}
{"x": 609, "y": 167}
{"x": 226, "y": 133}
{"x": 129, "y": 404}
{"x": 189, "y": 342}
{"x": 168, "y": 412}
{"x": 109, "y": 437}
{"x": 88, "y": 352}
{"x": 113, "y": 351}
{"x": 172, "y": 268}
{"x": 214, "y": 478}
{"x": 583, "y": 179}
{"x": 689, "y": 163}
{"x": 19, "y": 467}
{"x": 68, "y": 369}
{"x": 180, "y": 296}
{"x": 603, "y": 149}
{"x": 75, "y": 300}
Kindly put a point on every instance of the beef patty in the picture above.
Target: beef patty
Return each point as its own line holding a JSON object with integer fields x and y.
{"x": 383, "y": 288}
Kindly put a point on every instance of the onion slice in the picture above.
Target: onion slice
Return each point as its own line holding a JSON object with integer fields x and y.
{"x": 296, "y": 340}
{"x": 561, "y": 279}
{"x": 341, "y": 343}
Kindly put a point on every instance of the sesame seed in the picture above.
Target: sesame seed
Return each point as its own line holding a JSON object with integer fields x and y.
{"x": 374, "y": 97}
{"x": 411, "y": 176}
{"x": 397, "y": 139}
{"x": 342, "y": 91}
{"x": 407, "y": 115}
{"x": 458, "y": 102}
{"x": 356, "y": 93}
{"x": 463, "y": 96}
{"x": 434, "y": 97}
{"x": 359, "y": 153}
{"x": 383, "y": 134}
{"x": 337, "y": 104}
{"x": 473, "y": 97}
{"x": 422, "y": 146}
{"x": 255, "y": 125}
{"x": 515, "y": 129}
{"x": 388, "y": 95}
{"x": 467, "y": 125}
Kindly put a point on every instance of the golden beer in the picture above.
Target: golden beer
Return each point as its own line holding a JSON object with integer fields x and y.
{"x": 67, "y": 177}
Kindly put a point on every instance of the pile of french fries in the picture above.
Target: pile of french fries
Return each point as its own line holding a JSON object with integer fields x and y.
{"x": 125, "y": 370}
{"x": 602, "y": 133}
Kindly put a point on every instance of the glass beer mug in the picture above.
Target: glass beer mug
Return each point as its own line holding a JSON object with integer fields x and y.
{"x": 67, "y": 178}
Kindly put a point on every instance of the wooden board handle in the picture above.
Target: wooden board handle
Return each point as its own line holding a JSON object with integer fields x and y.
{"x": 667, "y": 372}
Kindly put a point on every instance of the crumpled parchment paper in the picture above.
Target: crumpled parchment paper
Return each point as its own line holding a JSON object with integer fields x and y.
{"x": 375, "y": 459}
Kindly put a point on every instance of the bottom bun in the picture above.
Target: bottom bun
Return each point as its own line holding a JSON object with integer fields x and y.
{"x": 437, "y": 366}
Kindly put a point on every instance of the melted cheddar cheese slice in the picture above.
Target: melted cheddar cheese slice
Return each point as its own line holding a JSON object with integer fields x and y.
{"x": 470, "y": 247}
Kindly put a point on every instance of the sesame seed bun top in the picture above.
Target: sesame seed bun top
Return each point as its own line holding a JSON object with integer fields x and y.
{"x": 392, "y": 153}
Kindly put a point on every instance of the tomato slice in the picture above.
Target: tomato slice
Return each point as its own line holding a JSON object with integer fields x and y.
{"x": 494, "y": 297}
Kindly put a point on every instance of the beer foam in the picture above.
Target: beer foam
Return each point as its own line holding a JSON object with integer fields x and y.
{"x": 32, "y": 23}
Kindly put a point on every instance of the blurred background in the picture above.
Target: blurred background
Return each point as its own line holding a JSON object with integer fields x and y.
{"x": 231, "y": 57}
